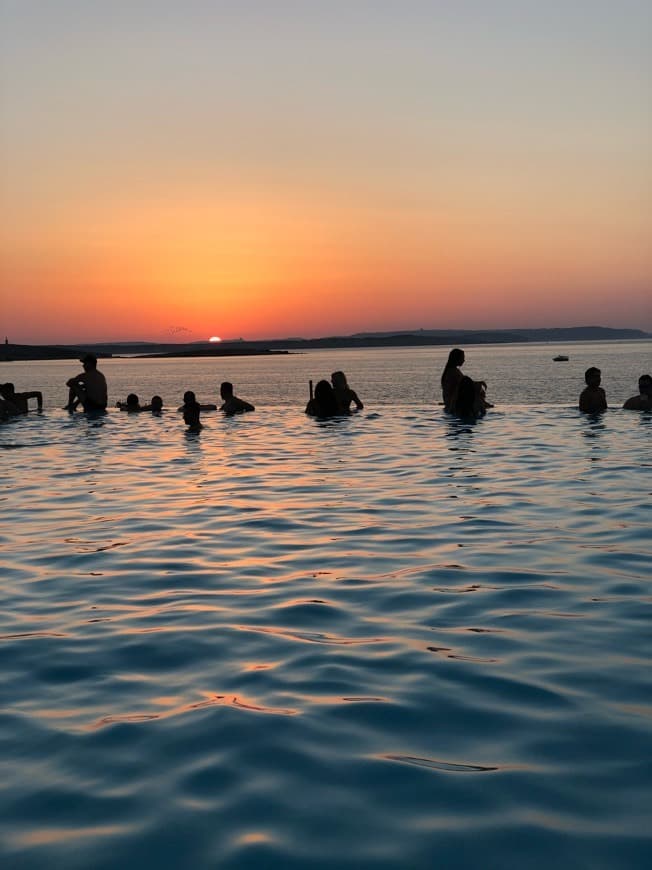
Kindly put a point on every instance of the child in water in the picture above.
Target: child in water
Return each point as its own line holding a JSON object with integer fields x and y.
{"x": 593, "y": 399}
{"x": 191, "y": 411}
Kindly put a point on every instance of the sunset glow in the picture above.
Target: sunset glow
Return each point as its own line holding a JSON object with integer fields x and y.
{"x": 322, "y": 172}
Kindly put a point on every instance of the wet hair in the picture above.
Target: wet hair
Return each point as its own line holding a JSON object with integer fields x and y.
{"x": 132, "y": 399}
{"x": 226, "y": 387}
{"x": 7, "y": 389}
{"x": 156, "y": 403}
{"x": 591, "y": 373}
{"x": 455, "y": 359}
{"x": 189, "y": 397}
{"x": 338, "y": 379}
{"x": 465, "y": 399}
{"x": 645, "y": 381}
{"x": 326, "y": 400}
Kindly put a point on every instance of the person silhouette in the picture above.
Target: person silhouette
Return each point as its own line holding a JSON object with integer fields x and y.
{"x": 20, "y": 400}
{"x": 324, "y": 403}
{"x": 132, "y": 405}
{"x": 451, "y": 377}
{"x": 87, "y": 388}
{"x": 191, "y": 411}
{"x": 155, "y": 406}
{"x": 231, "y": 403}
{"x": 344, "y": 394}
{"x": 466, "y": 403}
{"x": 642, "y": 402}
{"x": 593, "y": 399}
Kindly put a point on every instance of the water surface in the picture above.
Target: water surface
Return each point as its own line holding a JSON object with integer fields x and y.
{"x": 390, "y": 640}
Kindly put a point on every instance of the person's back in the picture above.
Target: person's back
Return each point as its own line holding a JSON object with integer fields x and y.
{"x": 191, "y": 410}
{"x": 451, "y": 377}
{"x": 324, "y": 403}
{"x": 344, "y": 394}
{"x": 231, "y": 403}
{"x": 593, "y": 399}
{"x": 89, "y": 387}
{"x": 642, "y": 402}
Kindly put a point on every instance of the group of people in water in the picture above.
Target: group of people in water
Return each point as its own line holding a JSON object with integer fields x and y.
{"x": 462, "y": 396}
{"x": 593, "y": 399}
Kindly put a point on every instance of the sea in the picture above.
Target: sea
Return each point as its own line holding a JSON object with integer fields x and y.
{"x": 391, "y": 640}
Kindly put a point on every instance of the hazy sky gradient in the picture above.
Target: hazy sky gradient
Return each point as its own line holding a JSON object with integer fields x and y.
{"x": 263, "y": 169}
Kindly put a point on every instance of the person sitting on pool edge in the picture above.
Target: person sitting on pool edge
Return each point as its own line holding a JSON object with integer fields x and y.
{"x": 232, "y": 404}
{"x": 20, "y": 400}
{"x": 87, "y": 388}
{"x": 191, "y": 411}
{"x": 344, "y": 394}
{"x": 642, "y": 402}
{"x": 324, "y": 403}
{"x": 451, "y": 377}
{"x": 593, "y": 399}
{"x": 467, "y": 404}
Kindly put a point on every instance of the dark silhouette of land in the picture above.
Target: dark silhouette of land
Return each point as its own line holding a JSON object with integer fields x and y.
{"x": 240, "y": 347}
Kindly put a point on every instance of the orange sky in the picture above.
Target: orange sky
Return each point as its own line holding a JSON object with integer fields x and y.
{"x": 299, "y": 200}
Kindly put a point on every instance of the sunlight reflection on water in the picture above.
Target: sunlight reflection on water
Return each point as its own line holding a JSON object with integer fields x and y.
{"x": 390, "y": 640}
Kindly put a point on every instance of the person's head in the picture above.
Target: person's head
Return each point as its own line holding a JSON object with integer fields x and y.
{"x": 338, "y": 380}
{"x": 156, "y": 403}
{"x": 326, "y": 399}
{"x": 226, "y": 389}
{"x": 89, "y": 361}
{"x": 8, "y": 391}
{"x": 132, "y": 400}
{"x": 189, "y": 397}
{"x": 645, "y": 385}
{"x": 455, "y": 358}
{"x": 593, "y": 376}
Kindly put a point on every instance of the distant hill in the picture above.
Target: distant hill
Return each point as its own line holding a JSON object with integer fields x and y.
{"x": 400, "y": 338}
{"x": 562, "y": 333}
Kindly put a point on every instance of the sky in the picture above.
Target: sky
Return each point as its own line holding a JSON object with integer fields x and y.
{"x": 176, "y": 171}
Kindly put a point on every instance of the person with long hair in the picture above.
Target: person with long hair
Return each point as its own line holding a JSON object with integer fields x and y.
{"x": 324, "y": 403}
{"x": 451, "y": 377}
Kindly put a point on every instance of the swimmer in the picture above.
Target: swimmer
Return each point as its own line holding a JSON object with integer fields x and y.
{"x": 232, "y": 404}
{"x": 132, "y": 404}
{"x": 642, "y": 402}
{"x": 155, "y": 406}
{"x": 593, "y": 399}
{"x": 324, "y": 403}
{"x": 20, "y": 400}
{"x": 202, "y": 407}
{"x": 191, "y": 411}
{"x": 344, "y": 394}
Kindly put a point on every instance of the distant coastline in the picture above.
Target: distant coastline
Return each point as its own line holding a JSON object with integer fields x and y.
{"x": 406, "y": 338}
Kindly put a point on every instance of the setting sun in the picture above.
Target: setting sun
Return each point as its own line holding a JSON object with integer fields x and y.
{"x": 215, "y": 338}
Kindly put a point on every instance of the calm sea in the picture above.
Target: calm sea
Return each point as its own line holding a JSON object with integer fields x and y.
{"x": 516, "y": 374}
{"x": 386, "y": 641}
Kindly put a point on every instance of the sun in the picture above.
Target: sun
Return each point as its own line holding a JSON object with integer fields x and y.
{"x": 215, "y": 338}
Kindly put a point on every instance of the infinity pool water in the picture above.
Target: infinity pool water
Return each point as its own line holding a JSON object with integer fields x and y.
{"x": 393, "y": 640}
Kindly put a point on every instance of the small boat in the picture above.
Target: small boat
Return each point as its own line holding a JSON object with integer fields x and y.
{"x": 560, "y": 358}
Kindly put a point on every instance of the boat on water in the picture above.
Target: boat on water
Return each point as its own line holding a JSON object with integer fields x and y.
{"x": 560, "y": 358}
